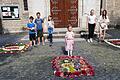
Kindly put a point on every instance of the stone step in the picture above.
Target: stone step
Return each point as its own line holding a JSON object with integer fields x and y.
{"x": 62, "y": 32}
{"x": 55, "y": 36}
{"x": 26, "y": 38}
{"x": 63, "y": 40}
{"x": 61, "y": 35}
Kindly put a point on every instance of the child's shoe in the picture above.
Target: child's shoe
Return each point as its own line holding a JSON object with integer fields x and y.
{"x": 88, "y": 40}
{"x": 91, "y": 40}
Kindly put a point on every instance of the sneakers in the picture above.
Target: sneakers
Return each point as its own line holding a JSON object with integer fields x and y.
{"x": 50, "y": 44}
{"x": 90, "y": 40}
{"x": 35, "y": 45}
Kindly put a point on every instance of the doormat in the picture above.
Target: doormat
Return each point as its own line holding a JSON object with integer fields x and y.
{"x": 14, "y": 48}
{"x": 71, "y": 67}
{"x": 113, "y": 42}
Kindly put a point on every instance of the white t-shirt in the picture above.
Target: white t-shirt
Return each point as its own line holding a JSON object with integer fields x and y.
{"x": 101, "y": 20}
{"x": 51, "y": 24}
{"x": 91, "y": 19}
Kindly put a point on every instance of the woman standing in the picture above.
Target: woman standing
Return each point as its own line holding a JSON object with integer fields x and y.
{"x": 91, "y": 25}
{"x": 103, "y": 21}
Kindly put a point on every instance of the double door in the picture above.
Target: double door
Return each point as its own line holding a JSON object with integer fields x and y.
{"x": 64, "y": 12}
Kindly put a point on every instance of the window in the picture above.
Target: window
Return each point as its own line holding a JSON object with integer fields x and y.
{"x": 10, "y": 12}
{"x": 25, "y": 5}
{"x": 101, "y": 6}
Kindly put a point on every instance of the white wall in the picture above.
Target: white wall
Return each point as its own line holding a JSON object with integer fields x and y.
{"x": 91, "y": 4}
{"x": 42, "y": 6}
{"x": 84, "y": 6}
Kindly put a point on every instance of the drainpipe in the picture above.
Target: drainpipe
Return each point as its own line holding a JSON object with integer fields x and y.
{"x": 1, "y": 27}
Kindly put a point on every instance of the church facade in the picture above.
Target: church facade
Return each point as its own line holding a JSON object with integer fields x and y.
{"x": 14, "y": 14}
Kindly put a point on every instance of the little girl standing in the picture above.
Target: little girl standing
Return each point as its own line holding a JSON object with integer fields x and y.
{"x": 50, "y": 29}
{"x": 69, "y": 40}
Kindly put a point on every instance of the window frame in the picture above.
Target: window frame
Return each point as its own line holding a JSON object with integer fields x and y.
{"x": 25, "y": 4}
{"x": 12, "y": 11}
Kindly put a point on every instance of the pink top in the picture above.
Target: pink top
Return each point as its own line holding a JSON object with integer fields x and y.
{"x": 69, "y": 40}
{"x": 69, "y": 35}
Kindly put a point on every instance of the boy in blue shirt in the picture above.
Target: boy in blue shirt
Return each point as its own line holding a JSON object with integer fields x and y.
{"x": 39, "y": 22}
{"x": 31, "y": 28}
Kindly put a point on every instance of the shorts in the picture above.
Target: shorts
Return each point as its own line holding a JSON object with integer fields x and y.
{"x": 40, "y": 33}
{"x": 32, "y": 37}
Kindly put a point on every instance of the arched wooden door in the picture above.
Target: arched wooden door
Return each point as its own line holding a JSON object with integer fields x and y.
{"x": 64, "y": 12}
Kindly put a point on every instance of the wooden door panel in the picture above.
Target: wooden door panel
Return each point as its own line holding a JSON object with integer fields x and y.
{"x": 64, "y": 12}
{"x": 57, "y": 12}
{"x": 72, "y": 12}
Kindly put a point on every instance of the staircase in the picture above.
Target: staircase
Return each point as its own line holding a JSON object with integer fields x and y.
{"x": 59, "y": 35}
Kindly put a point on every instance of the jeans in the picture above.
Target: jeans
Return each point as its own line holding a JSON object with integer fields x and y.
{"x": 51, "y": 38}
{"x": 91, "y": 28}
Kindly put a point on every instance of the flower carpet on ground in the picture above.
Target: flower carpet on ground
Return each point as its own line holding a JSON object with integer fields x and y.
{"x": 13, "y": 48}
{"x": 113, "y": 42}
{"x": 116, "y": 42}
{"x": 71, "y": 67}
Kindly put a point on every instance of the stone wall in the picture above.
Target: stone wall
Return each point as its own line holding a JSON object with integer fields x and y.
{"x": 42, "y": 6}
{"x": 113, "y": 7}
{"x": 10, "y": 26}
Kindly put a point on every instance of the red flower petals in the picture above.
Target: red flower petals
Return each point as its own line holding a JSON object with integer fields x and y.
{"x": 13, "y": 48}
{"x": 71, "y": 66}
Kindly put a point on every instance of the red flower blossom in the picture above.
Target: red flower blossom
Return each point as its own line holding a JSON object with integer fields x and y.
{"x": 83, "y": 72}
{"x": 77, "y": 73}
{"x": 57, "y": 73}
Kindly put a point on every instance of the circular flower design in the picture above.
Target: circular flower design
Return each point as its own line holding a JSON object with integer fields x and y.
{"x": 71, "y": 66}
{"x": 14, "y": 48}
{"x": 116, "y": 42}
{"x": 113, "y": 42}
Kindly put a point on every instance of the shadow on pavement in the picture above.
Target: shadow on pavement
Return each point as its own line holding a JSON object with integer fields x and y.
{"x": 64, "y": 51}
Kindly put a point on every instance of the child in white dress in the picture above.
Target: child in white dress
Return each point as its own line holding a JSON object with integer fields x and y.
{"x": 69, "y": 40}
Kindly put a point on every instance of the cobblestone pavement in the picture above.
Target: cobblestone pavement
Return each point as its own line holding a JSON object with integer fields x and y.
{"x": 10, "y": 38}
{"x": 115, "y": 33}
{"x": 35, "y": 63}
